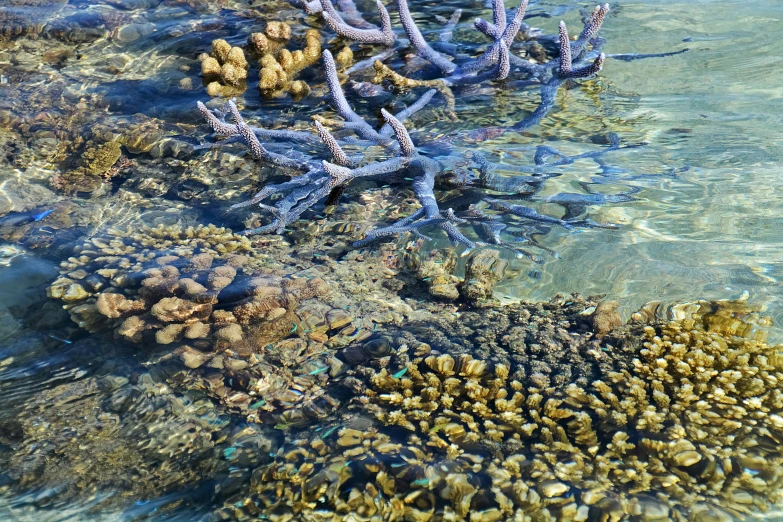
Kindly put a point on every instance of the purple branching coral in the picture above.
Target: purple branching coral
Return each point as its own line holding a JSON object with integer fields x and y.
{"x": 389, "y": 152}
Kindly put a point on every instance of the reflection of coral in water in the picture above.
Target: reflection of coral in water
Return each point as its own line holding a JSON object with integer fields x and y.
{"x": 672, "y": 421}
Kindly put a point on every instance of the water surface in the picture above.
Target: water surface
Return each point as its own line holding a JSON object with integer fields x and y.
{"x": 706, "y": 223}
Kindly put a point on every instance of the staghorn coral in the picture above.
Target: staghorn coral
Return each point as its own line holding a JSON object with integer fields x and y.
{"x": 669, "y": 421}
{"x": 313, "y": 181}
{"x": 224, "y": 70}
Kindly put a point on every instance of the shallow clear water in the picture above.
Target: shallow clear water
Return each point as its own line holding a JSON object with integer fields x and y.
{"x": 705, "y": 224}
{"x": 713, "y": 231}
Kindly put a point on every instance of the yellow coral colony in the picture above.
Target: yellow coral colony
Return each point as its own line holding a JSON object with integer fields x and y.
{"x": 690, "y": 428}
{"x": 280, "y": 66}
{"x": 224, "y": 70}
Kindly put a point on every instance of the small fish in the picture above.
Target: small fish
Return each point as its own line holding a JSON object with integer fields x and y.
{"x": 39, "y": 217}
{"x": 228, "y": 452}
{"x": 329, "y": 431}
{"x": 421, "y": 482}
{"x": 257, "y": 404}
{"x": 400, "y": 373}
{"x": 319, "y": 370}
{"x": 66, "y": 341}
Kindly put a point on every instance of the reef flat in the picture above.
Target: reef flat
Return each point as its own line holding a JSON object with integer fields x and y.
{"x": 297, "y": 317}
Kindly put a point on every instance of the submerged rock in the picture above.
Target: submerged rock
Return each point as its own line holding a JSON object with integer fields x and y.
{"x": 26, "y": 17}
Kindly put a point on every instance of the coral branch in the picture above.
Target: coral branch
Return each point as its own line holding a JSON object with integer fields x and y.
{"x": 419, "y": 43}
{"x": 382, "y": 36}
{"x": 391, "y": 154}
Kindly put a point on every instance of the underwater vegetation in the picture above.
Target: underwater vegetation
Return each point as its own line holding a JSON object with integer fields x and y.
{"x": 489, "y": 202}
{"x": 676, "y": 420}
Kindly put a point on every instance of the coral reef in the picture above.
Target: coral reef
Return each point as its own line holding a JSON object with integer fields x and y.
{"x": 420, "y": 162}
{"x": 224, "y": 70}
{"x": 110, "y": 426}
{"x": 26, "y": 17}
{"x": 665, "y": 421}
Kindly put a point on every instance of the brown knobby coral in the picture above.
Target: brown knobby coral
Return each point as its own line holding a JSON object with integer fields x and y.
{"x": 280, "y": 67}
{"x": 224, "y": 70}
{"x": 677, "y": 421}
{"x": 158, "y": 284}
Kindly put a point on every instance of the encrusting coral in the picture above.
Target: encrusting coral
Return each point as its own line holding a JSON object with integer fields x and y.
{"x": 666, "y": 421}
{"x": 483, "y": 270}
{"x": 436, "y": 269}
{"x": 97, "y": 165}
{"x": 313, "y": 181}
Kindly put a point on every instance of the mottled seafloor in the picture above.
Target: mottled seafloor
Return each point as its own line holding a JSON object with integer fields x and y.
{"x": 100, "y": 420}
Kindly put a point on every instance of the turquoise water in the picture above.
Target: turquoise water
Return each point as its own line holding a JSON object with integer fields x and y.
{"x": 95, "y": 427}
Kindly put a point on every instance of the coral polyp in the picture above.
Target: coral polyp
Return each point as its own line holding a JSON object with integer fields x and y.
{"x": 394, "y": 154}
